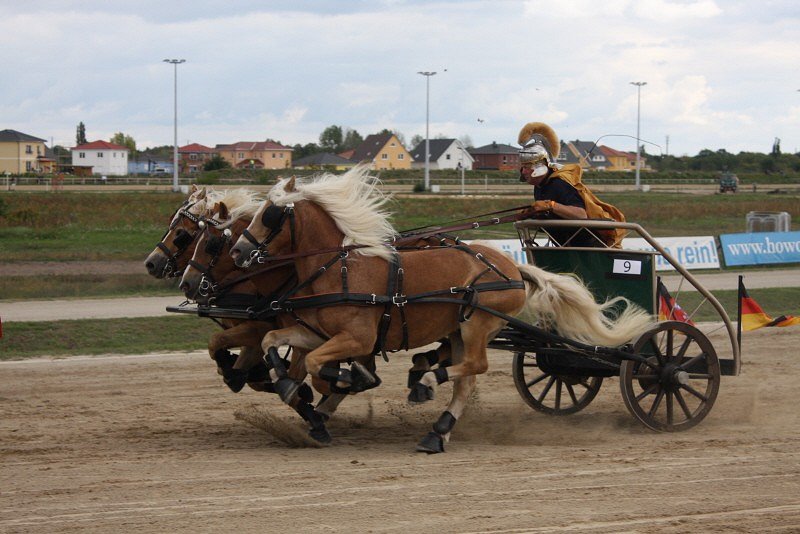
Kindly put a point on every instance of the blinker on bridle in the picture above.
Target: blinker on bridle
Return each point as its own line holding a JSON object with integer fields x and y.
{"x": 274, "y": 219}
{"x": 214, "y": 248}
{"x": 182, "y": 239}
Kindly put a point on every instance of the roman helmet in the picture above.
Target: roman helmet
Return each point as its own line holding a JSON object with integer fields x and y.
{"x": 540, "y": 147}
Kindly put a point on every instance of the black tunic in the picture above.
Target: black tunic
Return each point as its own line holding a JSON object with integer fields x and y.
{"x": 560, "y": 191}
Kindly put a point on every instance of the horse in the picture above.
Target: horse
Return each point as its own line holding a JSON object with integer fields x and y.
{"x": 467, "y": 290}
{"x": 211, "y": 276}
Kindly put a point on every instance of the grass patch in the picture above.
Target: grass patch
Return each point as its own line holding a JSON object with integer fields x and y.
{"x": 82, "y": 286}
{"x": 119, "y": 336}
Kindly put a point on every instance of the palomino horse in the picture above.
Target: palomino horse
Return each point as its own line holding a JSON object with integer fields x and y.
{"x": 212, "y": 276}
{"x": 314, "y": 222}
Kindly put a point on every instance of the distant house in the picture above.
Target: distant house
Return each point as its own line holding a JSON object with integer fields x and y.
{"x": 105, "y": 158}
{"x": 621, "y": 161}
{"x": 20, "y": 153}
{"x": 324, "y": 161}
{"x": 191, "y": 158}
{"x": 495, "y": 156}
{"x": 256, "y": 155}
{"x": 444, "y": 154}
{"x": 151, "y": 164}
{"x": 382, "y": 152}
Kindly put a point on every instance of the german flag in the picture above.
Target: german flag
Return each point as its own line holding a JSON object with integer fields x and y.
{"x": 753, "y": 317}
{"x": 668, "y": 309}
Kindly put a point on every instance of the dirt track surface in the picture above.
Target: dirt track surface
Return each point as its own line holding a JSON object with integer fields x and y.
{"x": 150, "y": 444}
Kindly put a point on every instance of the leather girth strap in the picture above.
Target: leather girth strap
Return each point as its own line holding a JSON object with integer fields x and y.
{"x": 394, "y": 292}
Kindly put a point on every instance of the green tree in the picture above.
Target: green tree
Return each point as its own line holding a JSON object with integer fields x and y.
{"x": 127, "y": 141}
{"x": 80, "y": 134}
{"x": 216, "y": 163}
{"x": 416, "y": 140}
{"x": 352, "y": 139}
{"x": 331, "y": 138}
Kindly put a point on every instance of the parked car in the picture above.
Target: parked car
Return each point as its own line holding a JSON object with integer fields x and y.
{"x": 728, "y": 182}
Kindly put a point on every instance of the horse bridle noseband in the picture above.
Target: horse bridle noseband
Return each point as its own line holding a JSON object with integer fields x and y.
{"x": 273, "y": 218}
{"x": 214, "y": 247}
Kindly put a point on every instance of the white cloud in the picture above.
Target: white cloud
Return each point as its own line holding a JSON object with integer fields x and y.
{"x": 289, "y": 70}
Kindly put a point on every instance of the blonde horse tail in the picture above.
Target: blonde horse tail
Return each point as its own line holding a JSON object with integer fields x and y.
{"x": 563, "y": 304}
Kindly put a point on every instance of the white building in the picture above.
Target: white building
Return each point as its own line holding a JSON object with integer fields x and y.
{"x": 444, "y": 154}
{"x": 103, "y": 157}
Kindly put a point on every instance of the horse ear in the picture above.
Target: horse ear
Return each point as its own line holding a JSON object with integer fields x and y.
{"x": 194, "y": 188}
{"x": 289, "y": 187}
{"x": 223, "y": 211}
{"x": 201, "y": 194}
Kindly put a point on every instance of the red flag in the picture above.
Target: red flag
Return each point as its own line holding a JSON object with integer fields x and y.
{"x": 668, "y": 309}
{"x": 753, "y": 316}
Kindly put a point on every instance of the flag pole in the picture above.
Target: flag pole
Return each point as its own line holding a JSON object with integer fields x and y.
{"x": 739, "y": 313}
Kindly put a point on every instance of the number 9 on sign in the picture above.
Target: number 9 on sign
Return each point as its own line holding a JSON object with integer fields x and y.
{"x": 627, "y": 267}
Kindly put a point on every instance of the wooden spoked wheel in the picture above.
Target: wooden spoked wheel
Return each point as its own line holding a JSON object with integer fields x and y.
{"x": 679, "y": 387}
{"x": 552, "y": 394}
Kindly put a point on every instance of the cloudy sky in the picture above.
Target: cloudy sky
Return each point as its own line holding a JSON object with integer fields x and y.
{"x": 719, "y": 73}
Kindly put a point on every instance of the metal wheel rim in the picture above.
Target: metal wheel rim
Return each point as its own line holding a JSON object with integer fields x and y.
{"x": 559, "y": 397}
{"x": 660, "y": 401}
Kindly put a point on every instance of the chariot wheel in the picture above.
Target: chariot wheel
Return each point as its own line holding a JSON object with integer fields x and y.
{"x": 550, "y": 393}
{"x": 679, "y": 386}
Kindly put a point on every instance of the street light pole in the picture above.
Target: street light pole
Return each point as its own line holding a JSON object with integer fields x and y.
{"x": 638, "y": 114}
{"x": 175, "y": 188}
{"x": 427, "y": 75}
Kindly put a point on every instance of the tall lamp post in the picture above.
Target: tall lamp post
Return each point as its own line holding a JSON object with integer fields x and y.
{"x": 175, "y": 188}
{"x": 638, "y": 114}
{"x": 427, "y": 75}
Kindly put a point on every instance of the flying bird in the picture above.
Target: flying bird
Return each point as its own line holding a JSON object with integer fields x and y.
{"x": 481, "y": 121}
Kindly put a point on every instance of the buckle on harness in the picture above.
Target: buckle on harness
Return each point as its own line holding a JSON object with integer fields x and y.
{"x": 373, "y": 299}
{"x": 275, "y": 305}
{"x": 496, "y": 220}
{"x": 399, "y": 300}
{"x": 476, "y": 224}
{"x": 454, "y": 290}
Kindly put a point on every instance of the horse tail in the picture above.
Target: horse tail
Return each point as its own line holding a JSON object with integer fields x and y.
{"x": 564, "y": 304}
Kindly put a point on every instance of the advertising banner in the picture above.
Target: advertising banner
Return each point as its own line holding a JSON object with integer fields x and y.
{"x": 760, "y": 248}
{"x": 699, "y": 252}
{"x": 692, "y": 252}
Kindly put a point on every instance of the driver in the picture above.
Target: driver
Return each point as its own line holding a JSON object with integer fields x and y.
{"x": 558, "y": 191}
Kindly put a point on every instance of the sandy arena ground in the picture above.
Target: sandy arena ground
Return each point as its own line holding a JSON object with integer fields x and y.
{"x": 150, "y": 444}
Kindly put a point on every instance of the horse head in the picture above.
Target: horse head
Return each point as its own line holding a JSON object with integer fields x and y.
{"x": 169, "y": 257}
{"x": 210, "y": 263}
{"x": 266, "y": 231}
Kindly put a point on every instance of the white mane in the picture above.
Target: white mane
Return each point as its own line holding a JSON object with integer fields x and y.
{"x": 354, "y": 202}
{"x": 240, "y": 202}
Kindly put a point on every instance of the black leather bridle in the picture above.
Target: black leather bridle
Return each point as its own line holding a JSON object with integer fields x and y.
{"x": 183, "y": 239}
{"x": 274, "y": 218}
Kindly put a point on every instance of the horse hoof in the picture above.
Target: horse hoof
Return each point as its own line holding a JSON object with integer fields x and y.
{"x": 414, "y": 376}
{"x": 320, "y": 434}
{"x": 362, "y": 379}
{"x": 235, "y": 379}
{"x": 420, "y": 393}
{"x": 432, "y": 443}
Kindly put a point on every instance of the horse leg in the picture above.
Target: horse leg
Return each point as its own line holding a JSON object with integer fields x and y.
{"x": 296, "y": 394}
{"x": 235, "y": 370}
{"x": 340, "y": 347}
{"x": 422, "y": 362}
{"x": 475, "y": 334}
{"x": 434, "y": 441}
